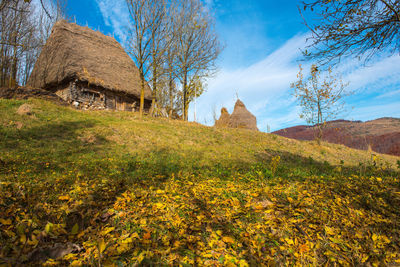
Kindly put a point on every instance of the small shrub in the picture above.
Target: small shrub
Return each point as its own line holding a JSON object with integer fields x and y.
{"x": 274, "y": 164}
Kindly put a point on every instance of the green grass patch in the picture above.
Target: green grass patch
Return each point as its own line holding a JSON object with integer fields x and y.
{"x": 122, "y": 190}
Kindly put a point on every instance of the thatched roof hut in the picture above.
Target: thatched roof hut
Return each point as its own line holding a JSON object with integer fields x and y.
{"x": 240, "y": 118}
{"x": 95, "y": 61}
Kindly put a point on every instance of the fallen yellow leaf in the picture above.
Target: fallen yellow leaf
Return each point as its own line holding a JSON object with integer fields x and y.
{"x": 75, "y": 229}
{"x": 304, "y": 248}
{"x": 141, "y": 257}
{"x": 64, "y": 198}
{"x": 146, "y": 235}
{"x": 289, "y": 241}
{"x": 107, "y": 230}
{"x": 228, "y": 239}
{"x": 76, "y": 263}
{"x": 374, "y": 237}
{"x": 102, "y": 245}
{"x": 5, "y": 222}
{"x": 329, "y": 230}
{"x": 23, "y": 239}
{"x": 243, "y": 263}
{"x": 159, "y": 205}
{"x": 135, "y": 235}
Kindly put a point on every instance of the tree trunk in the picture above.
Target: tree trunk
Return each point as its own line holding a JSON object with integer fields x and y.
{"x": 141, "y": 95}
{"x": 15, "y": 34}
{"x": 153, "y": 101}
{"x": 187, "y": 110}
{"x": 171, "y": 97}
{"x": 185, "y": 96}
{"x": 2, "y": 80}
{"x": 13, "y": 76}
{"x": 319, "y": 124}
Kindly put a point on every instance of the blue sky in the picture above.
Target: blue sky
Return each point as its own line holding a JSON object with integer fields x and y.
{"x": 262, "y": 40}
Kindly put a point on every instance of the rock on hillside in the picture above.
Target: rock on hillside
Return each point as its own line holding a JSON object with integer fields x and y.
{"x": 25, "y": 109}
{"x": 381, "y": 135}
{"x": 240, "y": 118}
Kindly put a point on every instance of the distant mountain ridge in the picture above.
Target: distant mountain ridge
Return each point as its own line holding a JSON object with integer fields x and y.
{"x": 381, "y": 135}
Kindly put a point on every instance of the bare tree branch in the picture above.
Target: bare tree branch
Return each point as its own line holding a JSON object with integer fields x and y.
{"x": 360, "y": 28}
{"x": 392, "y": 8}
{"x": 45, "y": 10}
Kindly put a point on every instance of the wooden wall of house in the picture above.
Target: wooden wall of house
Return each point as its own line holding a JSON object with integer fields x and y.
{"x": 86, "y": 97}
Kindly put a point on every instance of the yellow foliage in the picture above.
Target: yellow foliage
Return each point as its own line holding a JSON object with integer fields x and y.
{"x": 228, "y": 239}
{"x": 5, "y": 221}
{"x": 64, "y": 198}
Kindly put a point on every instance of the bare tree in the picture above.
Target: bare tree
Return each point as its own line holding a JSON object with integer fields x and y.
{"x": 174, "y": 38}
{"x": 11, "y": 4}
{"x": 197, "y": 48}
{"x": 352, "y": 28}
{"x": 171, "y": 70}
{"x": 159, "y": 32}
{"x": 141, "y": 15}
{"x": 15, "y": 28}
{"x": 41, "y": 29}
{"x": 321, "y": 99}
{"x": 168, "y": 98}
{"x": 24, "y": 31}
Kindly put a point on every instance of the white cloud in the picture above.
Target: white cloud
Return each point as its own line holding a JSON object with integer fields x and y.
{"x": 378, "y": 75}
{"x": 115, "y": 14}
{"x": 264, "y": 87}
{"x": 395, "y": 94}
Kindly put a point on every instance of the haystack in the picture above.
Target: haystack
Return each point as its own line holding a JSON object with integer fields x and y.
{"x": 240, "y": 118}
{"x": 223, "y": 120}
{"x": 88, "y": 69}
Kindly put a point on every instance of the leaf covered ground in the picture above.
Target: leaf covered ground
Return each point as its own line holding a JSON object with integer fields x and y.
{"x": 106, "y": 188}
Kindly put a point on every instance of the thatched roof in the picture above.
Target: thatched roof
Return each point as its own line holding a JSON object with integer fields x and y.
{"x": 75, "y": 52}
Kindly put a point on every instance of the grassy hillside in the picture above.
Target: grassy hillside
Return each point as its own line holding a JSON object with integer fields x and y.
{"x": 379, "y": 135}
{"x": 103, "y": 188}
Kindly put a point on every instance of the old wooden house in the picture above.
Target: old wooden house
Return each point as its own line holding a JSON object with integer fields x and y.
{"x": 89, "y": 70}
